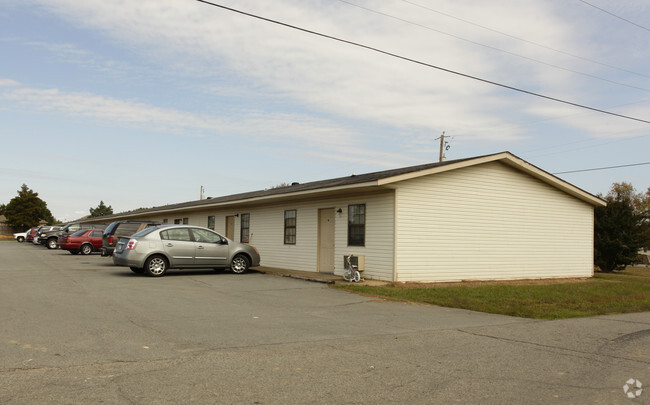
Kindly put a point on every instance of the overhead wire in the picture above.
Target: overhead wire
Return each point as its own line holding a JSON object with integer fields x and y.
{"x": 508, "y": 35}
{"x": 603, "y": 168}
{"x": 495, "y": 48}
{"x": 614, "y": 15}
{"x": 377, "y": 50}
{"x": 526, "y": 40}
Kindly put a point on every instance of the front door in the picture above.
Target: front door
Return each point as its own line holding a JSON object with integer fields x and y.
{"x": 230, "y": 227}
{"x": 326, "y": 240}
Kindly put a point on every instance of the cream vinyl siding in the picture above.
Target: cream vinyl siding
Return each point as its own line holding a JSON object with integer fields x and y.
{"x": 267, "y": 227}
{"x": 490, "y": 222}
{"x": 267, "y": 232}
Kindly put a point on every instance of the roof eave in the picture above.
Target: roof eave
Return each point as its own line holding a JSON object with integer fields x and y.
{"x": 249, "y": 201}
{"x": 511, "y": 160}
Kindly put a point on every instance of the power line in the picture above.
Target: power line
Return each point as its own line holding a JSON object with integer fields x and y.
{"x": 604, "y": 168}
{"x": 495, "y": 48}
{"x": 614, "y": 15}
{"x": 505, "y": 86}
{"x": 526, "y": 40}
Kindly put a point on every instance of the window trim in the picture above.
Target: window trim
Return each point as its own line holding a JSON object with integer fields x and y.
{"x": 356, "y": 228}
{"x": 247, "y": 235}
{"x": 290, "y": 237}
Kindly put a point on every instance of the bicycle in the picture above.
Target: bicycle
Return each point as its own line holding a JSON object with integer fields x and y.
{"x": 351, "y": 272}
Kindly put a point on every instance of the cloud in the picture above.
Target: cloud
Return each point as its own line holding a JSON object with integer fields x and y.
{"x": 279, "y": 129}
{"x": 8, "y": 83}
{"x": 325, "y": 78}
{"x": 336, "y": 78}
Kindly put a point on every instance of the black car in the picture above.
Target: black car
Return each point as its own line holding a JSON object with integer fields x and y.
{"x": 121, "y": 228}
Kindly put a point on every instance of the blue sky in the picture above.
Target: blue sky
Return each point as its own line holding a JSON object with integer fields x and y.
{"x": 140, "y": 103}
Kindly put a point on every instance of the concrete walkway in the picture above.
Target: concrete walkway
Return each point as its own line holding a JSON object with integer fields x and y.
{"x": 327, "y": 278}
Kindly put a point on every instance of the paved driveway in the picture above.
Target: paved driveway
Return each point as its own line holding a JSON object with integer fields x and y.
{"x": 75, "y": 329}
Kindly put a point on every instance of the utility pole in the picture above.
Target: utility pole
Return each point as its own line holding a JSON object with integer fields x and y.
{"x": 444, "y": 145}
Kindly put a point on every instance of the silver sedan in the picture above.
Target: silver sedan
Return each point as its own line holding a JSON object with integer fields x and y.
{"x": 156, "y": 249}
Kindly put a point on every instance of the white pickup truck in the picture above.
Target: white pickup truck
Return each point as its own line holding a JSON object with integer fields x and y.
{"x": 21, "y": 236}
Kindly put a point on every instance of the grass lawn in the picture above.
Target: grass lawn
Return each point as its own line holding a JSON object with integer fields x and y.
{"x": 613, "y": 293}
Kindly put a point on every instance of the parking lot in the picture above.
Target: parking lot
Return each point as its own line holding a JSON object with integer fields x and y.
{"x": 76, "y": 329}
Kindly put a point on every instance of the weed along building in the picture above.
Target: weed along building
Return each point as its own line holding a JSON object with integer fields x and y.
{"x": 483, "y": 218}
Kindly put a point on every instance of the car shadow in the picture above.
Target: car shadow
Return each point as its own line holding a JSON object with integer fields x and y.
{"x": 182, "y": 272}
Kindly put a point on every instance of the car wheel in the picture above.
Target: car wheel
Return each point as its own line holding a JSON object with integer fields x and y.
{"x": 239, "y": 264}
{"x": 137, "y": 270}
{"x": 156, "y": 266}
{"x": 20, "y": 239}
{"x": 52, "y": 243}
{"x": 86, "y": 249}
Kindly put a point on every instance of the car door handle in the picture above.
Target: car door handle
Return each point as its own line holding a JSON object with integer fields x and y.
{"x": 200, "y": 247}
{"x": 170, "y": 244}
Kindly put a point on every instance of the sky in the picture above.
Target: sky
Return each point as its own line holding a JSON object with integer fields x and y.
{"x": 141, "y": 103}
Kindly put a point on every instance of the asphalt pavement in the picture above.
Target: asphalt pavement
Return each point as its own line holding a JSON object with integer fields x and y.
{"x": 78, "y": 330}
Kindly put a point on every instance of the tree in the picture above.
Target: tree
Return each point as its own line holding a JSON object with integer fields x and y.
{"x": 643, "y": 207}
{"x": 620, "y": 228}
{"x": 26, "y": 210}
{"x": 101, "y": 210}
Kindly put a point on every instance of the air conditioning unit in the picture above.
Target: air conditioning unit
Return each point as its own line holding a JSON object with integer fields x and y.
{"x": 359, "y": 261}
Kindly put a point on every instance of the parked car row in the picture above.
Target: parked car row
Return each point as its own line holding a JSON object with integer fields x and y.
{"x": 50, "y": 238}
{"x": 149, "y": 247}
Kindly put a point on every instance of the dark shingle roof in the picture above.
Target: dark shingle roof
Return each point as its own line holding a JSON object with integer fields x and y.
{"x": 314, "y": 186}
{"x": 301, "y": 187}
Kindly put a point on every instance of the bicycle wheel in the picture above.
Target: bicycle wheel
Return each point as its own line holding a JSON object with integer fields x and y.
{"x": 347, "y": 275}
{"x": 356, "y": 277}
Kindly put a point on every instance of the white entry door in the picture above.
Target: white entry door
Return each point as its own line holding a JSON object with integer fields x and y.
{"x": 326, "y": 240}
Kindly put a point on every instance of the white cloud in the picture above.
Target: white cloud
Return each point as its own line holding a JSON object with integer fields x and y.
{"x": 280, "y": 129}
{"x": 344, "y": 81}
{"x": 341, "y": 79}
{"x": 8, "y": 83}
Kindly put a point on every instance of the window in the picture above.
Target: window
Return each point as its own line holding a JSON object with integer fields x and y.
{"x": 357, "y": 225}
{"x": 165, "y": 221}
{"x": 201, "y": 235}
{"x": 178, "y": 221}
{"x": 244, "y": 233}
{"x": 182, "y": 234}
{"x": 211, "y": 222}
{"x": 290, "y": 227}
{"x": 186, "y": 221}
{"x": 126, "y": 229}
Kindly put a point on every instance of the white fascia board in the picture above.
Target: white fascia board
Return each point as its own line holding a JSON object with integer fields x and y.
{"x": 441, "y": 169}
{"x": 512, "y": 161}
{"x": 550, "y": 179}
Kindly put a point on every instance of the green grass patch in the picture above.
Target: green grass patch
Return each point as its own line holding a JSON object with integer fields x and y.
{"x": 605, "y": 293}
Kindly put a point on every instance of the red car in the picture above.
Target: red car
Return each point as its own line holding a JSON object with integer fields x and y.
{"x": 84, "y": 241}
{"x": 33, "y": 231}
